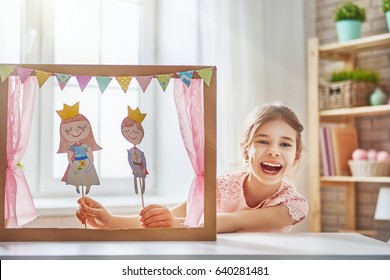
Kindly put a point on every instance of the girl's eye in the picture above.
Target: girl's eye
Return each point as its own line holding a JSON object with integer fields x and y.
{"x": 263, "y": 142}
{"x": 285, "y": 145}
{"x": 68, "y": 130}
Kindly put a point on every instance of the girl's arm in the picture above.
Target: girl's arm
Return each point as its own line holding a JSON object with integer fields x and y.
{"x": 94, "y": 214}
{"x": 263, "y": 219}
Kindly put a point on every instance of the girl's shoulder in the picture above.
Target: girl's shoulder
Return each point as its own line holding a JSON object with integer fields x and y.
{"x": 288, "y": 189}
{"x": 231, "y": 178}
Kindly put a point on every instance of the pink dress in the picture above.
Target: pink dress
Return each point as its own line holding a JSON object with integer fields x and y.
{"x": 230, "y": 198}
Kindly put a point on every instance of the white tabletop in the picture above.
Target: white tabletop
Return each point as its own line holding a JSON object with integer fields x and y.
{"x": 227, "y": 246}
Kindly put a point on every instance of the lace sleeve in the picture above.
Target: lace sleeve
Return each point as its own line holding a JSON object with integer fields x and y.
{"x": 297, "y": 207}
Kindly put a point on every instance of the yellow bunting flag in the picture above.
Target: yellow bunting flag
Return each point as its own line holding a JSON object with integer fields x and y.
{"x": 124, "y": 82}
{"x": 164, "y": 79}
{"x": 206, "y": 75}
{"x": 42, "y": 77}
{"x": 5, "y": 71}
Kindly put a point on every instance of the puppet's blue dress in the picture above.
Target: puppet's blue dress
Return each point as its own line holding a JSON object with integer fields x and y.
{"x": 80, "y": 177}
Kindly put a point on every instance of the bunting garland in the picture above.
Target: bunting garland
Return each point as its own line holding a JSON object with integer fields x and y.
{"x": 163, "y": 80}
{"x": 103, "y": 81}
{"x": 24, "y": 74}
{"x": 206, "y": 75}
{"x": 144, "y": 81}
{"x": 63, "y": 79}
{"x": 83, "y": 81}
{"x": 42, "y": 77}
{"x": 186, "y": 77}
{"x": 5, "y": 71}
{"x": 124, "y": 82}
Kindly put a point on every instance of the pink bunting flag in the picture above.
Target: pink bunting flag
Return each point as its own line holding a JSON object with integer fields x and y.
{"x": 24, "y": 73}
{"x": 124, "y": 82}
{"x": 63, "y": 79}
{"x": 83, "y": 81}
{"x": 206, "y": 75}
{"x": 103, "y": 83}
{"x": 42, "y": 77}
{"x": 5, "y": 71}
{"x": 144, "y": 81}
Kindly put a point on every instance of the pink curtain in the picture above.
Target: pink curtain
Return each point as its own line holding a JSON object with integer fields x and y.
{"x": 189, "y": 106}
{"x": 19, "y": 205}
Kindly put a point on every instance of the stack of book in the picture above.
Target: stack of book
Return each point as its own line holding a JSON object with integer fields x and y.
{"x": 337, "y": 144}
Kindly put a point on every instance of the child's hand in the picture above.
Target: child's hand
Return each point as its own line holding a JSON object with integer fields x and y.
{"x": 93, "y": 213}
{"x": 157, "y": 216}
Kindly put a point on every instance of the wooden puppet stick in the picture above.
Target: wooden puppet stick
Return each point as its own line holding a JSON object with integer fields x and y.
{"x": 83, "y": 196}
{"x": 142, "y": 195}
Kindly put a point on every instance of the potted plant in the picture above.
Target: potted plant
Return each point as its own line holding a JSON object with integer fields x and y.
{"x": 349, "y": 18}
{"x": 348, "y": 88}
{"x": 386, "y": 10}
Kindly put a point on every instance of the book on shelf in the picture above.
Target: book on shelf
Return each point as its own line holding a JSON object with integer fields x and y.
{"x": 337, "y": 144}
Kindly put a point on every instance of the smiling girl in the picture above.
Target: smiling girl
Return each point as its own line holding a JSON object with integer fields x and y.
{"x": 78, "y": 142}
{"x": 257, "y": 197}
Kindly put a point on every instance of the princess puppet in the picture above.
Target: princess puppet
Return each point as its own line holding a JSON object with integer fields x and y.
{"x": 133, "y": 132}
{"x": 77, "y": 140}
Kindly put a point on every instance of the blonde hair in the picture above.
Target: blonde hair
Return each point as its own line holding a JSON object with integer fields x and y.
{"x": 89, "y": 139}
{"x": 262, "y": 114}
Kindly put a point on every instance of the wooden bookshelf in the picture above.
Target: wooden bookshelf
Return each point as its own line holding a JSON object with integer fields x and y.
{"x": 345, "y": 52}
{"x": 355, "y": 179}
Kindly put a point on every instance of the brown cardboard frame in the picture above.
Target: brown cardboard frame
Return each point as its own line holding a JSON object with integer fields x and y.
{"x": 208, "y": 232}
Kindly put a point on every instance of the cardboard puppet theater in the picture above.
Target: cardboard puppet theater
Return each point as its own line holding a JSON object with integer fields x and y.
{"x": 194, "y": 94}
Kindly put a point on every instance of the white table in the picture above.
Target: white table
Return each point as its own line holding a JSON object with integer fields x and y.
{"x": 227, "y": 246}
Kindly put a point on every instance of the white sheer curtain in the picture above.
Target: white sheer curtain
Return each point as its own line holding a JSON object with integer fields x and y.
{"x": 231, "y": 36}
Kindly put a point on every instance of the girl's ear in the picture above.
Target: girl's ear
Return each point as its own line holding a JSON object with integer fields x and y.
{"x": 297, "y": 158}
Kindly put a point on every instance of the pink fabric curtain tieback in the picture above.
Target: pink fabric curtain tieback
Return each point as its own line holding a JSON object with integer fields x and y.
{"x": 190, "y": 113}
{"x": 19, "y": 205}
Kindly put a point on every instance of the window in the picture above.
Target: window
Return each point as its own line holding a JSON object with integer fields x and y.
{"x": 86, "y": 32}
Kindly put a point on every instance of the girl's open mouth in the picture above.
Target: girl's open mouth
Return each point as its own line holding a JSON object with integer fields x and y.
{"x": 271, "y": 168}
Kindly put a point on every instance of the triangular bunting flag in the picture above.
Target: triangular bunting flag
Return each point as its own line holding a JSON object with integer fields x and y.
{"x": 144, "y": 81}
{"x": 5, "y": 71}
{"x": 63, "y": 79}
{"x": 83, "y": 81}
{"x": 42, "y": 77}
{"x": 24, "y": 73}
{"x": 206, "y": 75}
{"x": 164, "y": 79}
{"x": 124, "y": 82}
{"x": 103, "y": 83}
{"x": 186, "y": 77}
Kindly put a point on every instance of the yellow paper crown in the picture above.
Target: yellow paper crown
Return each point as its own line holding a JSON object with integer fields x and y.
{"x": 69, "y": 111}
{"x": 135, "y": 115}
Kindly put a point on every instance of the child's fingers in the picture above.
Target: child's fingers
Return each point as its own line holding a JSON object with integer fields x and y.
{"x": 81, "y": 216}
{"x": 148, "y": 208}
{"x": 90, "y": 211}
{"x": 86, "y": 200}
{"x": 156, "y": 221}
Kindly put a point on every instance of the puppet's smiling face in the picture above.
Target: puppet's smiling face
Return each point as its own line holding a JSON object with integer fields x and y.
{"x": 133, "y": 134}
{"x": 75, "y": 131}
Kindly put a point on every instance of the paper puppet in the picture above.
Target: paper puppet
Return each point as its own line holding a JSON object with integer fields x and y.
{"x": 133, "y": 132}
{"x": 77, "y": 140}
